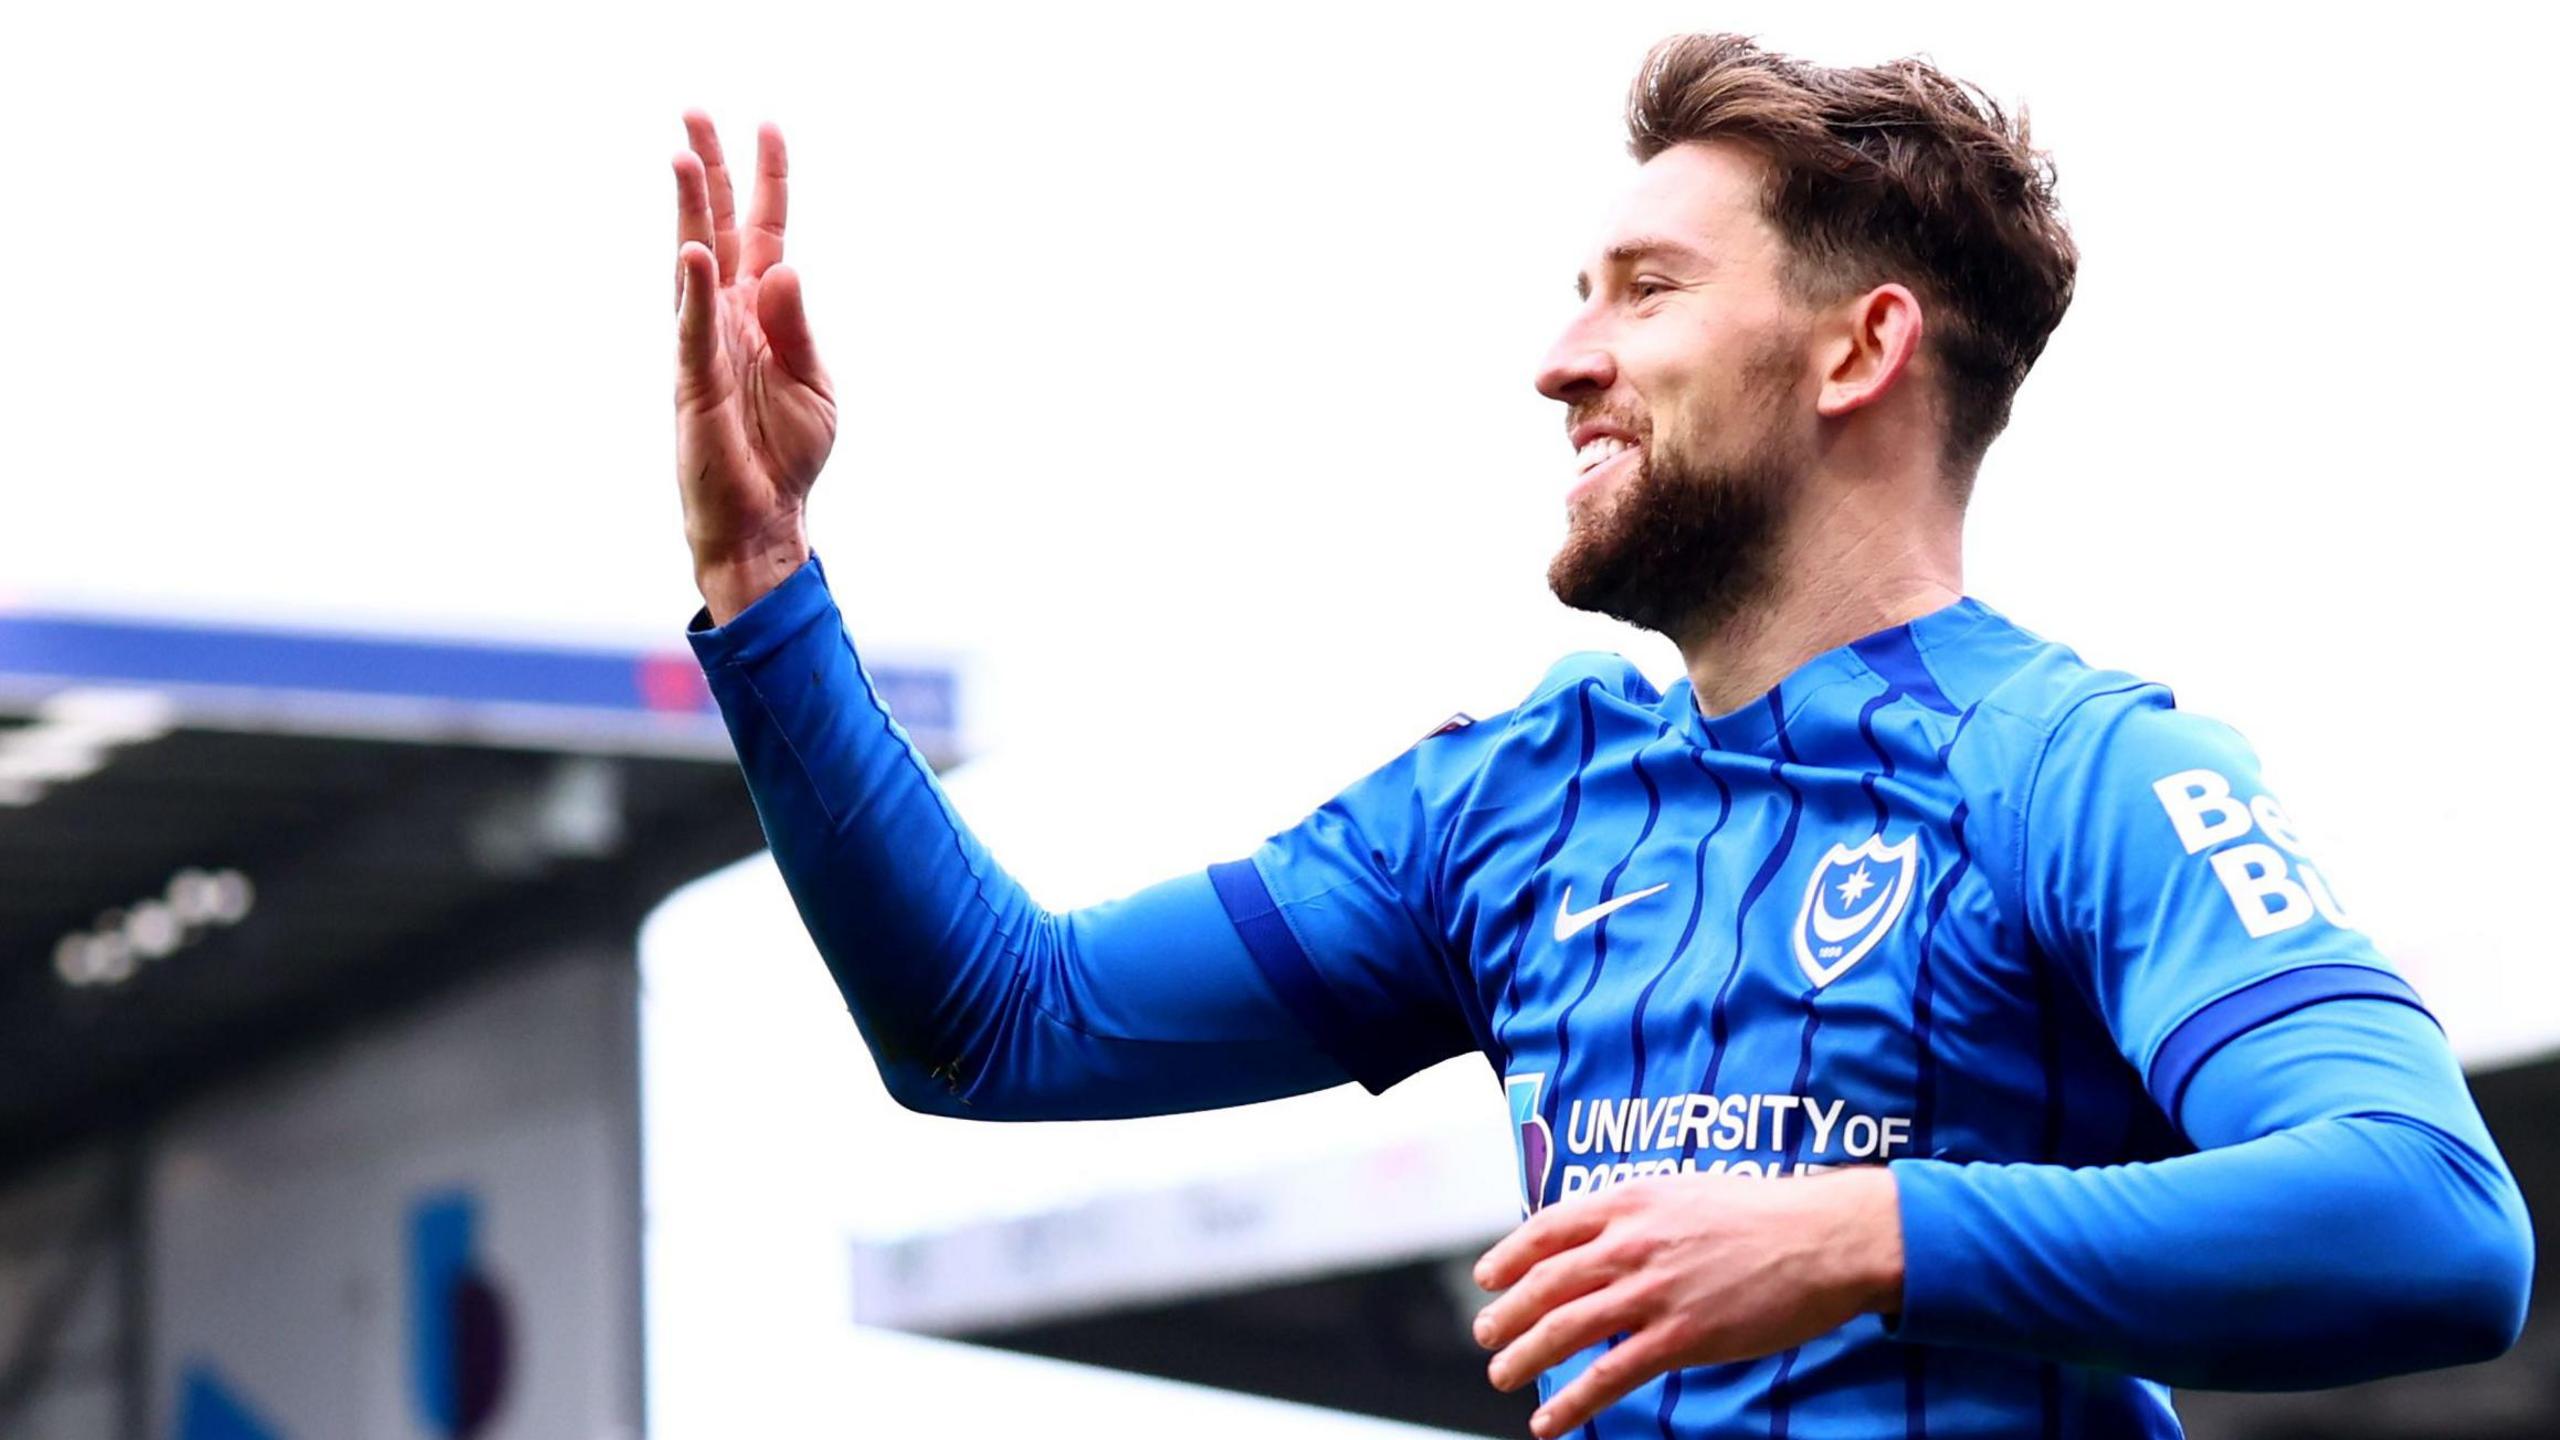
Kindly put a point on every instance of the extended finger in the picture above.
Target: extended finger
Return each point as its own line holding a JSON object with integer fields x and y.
{"x": 1607, "y": 1380}
{"x": 1558, "y": 1227}
{"x": 1549, "y": 1283}
{"x": 771, "y": 205}
{"x": 697, "y": 338}
{"x": 693, "y": 202}
{"x": 1561, "y": 1333}
{"x": 724, "y": 209}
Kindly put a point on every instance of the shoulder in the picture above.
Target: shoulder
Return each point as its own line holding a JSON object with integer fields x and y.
{"x": 2058, "y": 745}
{"x": 1577, "y": 694}
{"x": 1585, "y": 679}
{"x": 1587, "y": 699}
{"x": 2053, "y": 745}
{"x": 2028, "y": 696}
{"x": 1610, "y": 674}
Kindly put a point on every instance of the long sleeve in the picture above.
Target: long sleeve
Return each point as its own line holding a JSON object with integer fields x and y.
{"x": 2345, "y": 1214}
{"x": 974, "y": 1000}
{"x": 2347, "y": 1217}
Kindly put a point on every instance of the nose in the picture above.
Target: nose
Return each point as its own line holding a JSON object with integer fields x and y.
{"x": 1576, "y": 367}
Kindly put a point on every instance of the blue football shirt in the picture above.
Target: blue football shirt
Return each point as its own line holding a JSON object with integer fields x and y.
{"x": 1947, "y": 894}
{"x": 1946, "y": 899}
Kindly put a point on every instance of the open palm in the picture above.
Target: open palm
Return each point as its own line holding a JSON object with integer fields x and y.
{"x": 755, "y": 412}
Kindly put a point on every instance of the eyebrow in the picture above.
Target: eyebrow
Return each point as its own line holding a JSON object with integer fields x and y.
{"x": 1627, "y": 252}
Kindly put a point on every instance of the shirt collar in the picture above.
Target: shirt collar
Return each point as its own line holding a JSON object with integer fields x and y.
{"x": 1892, "y": 656}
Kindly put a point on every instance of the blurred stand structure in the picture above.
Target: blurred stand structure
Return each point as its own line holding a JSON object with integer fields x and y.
{"x": 319, "y": 1108}
{"x": 1347, "y": 1285}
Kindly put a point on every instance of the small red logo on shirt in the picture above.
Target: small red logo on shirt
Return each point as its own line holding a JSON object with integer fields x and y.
{"x": 1459, "y": 721}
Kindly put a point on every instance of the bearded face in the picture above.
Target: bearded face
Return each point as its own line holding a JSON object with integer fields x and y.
{"x": 1687, "y": 539}
{"x": 1686, "y": 373}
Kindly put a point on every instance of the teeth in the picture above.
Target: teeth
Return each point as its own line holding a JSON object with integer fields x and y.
{"x": 1600, "y": 450}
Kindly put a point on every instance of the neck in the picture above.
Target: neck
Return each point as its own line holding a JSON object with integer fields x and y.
{"x": 1840, "y": 576}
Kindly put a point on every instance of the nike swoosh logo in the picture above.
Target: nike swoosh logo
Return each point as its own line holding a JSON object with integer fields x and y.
{"x": 1568, "y": 924}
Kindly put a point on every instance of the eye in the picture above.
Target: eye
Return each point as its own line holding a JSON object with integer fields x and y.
{"x": 1647, "y": 287}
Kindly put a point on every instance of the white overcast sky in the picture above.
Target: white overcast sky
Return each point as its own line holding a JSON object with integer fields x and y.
{"x": 1185, "y": 358}
{"x": 1185, "y": 354}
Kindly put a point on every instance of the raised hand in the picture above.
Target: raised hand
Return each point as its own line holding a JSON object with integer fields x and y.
{"x": 755, "y": 412}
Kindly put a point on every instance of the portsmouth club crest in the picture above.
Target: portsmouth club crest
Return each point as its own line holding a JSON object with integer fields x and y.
{"x": 1537, "y": 1142}
{"x": 1855, "y": 896}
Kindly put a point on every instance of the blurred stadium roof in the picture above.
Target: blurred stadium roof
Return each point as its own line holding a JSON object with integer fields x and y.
{"x": 1347, "y": 1284}
{"x": 220, "y": 842}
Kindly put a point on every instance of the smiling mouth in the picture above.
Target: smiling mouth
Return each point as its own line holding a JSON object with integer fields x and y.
{"x": 1599, "y": 450}
{"x": 1601, "y": 458}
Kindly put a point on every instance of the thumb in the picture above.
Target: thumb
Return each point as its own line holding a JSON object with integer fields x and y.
{"x": 785, "y": 322}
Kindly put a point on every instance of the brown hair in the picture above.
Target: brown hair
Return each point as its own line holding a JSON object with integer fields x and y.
{"x": 1887, "y": 172}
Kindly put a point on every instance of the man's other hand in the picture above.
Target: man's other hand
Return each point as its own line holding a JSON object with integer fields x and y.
{"x": 1688, "y": 1270}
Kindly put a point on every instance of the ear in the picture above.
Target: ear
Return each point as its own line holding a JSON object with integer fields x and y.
{"x": 1879, "y": 333}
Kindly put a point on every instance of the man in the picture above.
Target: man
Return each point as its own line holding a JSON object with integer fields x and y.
{"x": 2072, "y": 1064}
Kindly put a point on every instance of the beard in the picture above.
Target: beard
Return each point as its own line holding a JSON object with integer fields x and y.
{"x": 1682, "y": 545}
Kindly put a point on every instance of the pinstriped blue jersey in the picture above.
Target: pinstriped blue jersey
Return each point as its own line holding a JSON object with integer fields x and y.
{"x": 1946, "y": 894}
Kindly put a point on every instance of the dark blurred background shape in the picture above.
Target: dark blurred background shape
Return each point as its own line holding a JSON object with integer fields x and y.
{"x": 319, "y": 1109}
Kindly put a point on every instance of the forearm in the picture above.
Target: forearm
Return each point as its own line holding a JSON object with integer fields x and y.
{"x": 973, "y": 999}
{"x": 2381, "y": 1237}
{"x": 2331, "y": 1254}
